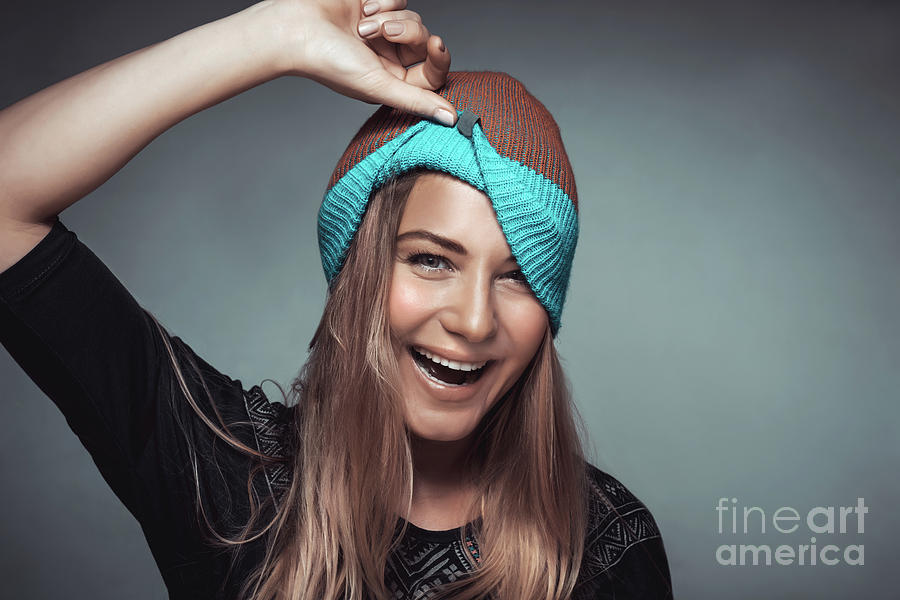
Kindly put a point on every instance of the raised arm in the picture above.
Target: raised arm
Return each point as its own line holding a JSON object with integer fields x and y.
{"x": 66, "y": 140}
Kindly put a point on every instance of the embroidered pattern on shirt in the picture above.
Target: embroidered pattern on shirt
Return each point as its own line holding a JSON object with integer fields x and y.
{"x": 269, "y": 429}
{"x": 617, "y": 521}
{"x": 417, "y": 568}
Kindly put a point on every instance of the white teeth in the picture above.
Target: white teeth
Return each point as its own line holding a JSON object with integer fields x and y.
{"x": 458, "y": 366}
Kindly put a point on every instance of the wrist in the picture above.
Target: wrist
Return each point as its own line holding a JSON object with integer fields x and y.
{"x": 279, "y": 32}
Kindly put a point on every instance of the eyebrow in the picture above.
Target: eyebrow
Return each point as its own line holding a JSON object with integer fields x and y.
{"x": 443, "y": 242}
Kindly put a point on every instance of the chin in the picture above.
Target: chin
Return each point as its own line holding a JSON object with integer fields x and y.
{"x": 441, "y": 428}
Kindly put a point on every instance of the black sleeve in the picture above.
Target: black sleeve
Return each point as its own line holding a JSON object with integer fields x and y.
{"x": 100, "y": 357}
{"x": 641, "y": 573}
{"x": 625, "y": 558}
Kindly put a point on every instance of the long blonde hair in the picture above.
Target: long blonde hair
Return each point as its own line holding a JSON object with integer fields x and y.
{"x": 352, "y": 476}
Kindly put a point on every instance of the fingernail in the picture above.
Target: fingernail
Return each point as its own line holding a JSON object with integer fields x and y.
{"x": 442, "y": 48}
{"x": 370, "y": 8}
{"x": 444, "y": 116}
{"x": 393, "y": 28}
{"x": 367, "y": 28}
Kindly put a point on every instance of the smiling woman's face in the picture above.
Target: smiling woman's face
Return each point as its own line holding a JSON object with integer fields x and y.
{"x": 457, "y": 297}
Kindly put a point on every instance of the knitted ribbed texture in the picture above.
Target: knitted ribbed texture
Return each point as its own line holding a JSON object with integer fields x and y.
{"x": 515, "y": 155}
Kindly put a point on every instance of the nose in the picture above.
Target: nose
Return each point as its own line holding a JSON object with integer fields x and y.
{"x": 471, "y": 311}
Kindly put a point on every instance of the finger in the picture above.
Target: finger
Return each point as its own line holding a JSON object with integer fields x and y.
{"x": 387, "y": 54}
{"x": 384, "y": 49}
{"x": 432, "y": 73}
{"x": 387, "y": 89}
{"x": 409, "y": 47}
{"x": 372, "y": 26}
{"x": 407, "y": 40}
{"x": 370, "y": 7}
{"x": 411, "y": 42}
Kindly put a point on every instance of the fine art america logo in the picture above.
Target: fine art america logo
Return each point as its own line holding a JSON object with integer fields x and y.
{"x": 822, "y": 523}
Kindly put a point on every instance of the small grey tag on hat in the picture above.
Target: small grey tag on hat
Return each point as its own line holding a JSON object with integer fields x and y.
{"x": 465, "y": 123}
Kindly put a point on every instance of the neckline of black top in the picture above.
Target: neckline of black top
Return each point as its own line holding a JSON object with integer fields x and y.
{"x": 444, "y": 536}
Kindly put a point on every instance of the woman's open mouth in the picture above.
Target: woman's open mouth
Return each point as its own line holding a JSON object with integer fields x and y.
{"x": 452, "y": 374}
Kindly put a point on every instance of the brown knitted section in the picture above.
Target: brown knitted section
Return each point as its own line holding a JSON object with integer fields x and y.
{"x": 516, "y": 124}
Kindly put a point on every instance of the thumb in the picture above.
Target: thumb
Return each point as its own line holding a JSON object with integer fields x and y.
{"x": 388, "y": 89}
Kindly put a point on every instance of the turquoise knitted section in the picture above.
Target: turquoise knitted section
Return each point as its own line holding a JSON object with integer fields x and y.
{"x": 538, "y": 219}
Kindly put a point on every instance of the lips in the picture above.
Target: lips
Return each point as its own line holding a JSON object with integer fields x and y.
{"x": 445, "y": 374}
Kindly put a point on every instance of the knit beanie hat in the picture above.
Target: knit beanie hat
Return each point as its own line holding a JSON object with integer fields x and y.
{"x": 505, "y": 144}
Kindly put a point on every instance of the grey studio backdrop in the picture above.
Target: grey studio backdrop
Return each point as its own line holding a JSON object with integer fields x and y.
{"x": 732, "y": 326}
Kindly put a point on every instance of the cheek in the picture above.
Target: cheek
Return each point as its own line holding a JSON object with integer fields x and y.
{"x": 408, "y": 303}
{"x": 526, "y": 323}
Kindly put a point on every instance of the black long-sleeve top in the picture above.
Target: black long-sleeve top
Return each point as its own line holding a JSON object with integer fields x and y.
{"x": 86, "y": 342}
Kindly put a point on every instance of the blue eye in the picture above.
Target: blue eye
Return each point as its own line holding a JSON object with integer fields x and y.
{"x": 434, "y": 262}
{"x": 429, "y": 262}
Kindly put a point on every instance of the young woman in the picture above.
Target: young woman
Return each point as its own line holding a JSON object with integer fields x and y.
{"x": 429, "y": 445}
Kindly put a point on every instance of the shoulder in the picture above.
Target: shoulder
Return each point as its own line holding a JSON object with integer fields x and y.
{"x": 623, "y": 543}
{"x": 271, "y": 427}
{"x": 270, "y": 420}
{"x": 617, "y": 520}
